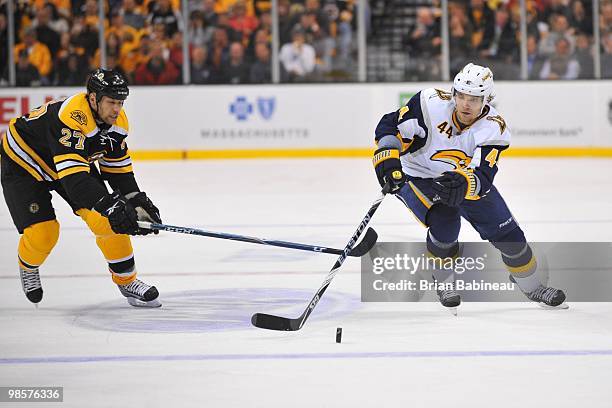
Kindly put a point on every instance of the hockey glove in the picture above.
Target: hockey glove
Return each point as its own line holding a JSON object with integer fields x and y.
{"x": 120, "y": 213}
{"x": 389, "y": 168}
{"x": 145, "y": 209}
{"x": 452, "y": 187}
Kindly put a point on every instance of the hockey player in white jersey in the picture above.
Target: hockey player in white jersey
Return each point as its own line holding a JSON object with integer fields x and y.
{"x": 440, "y": 153}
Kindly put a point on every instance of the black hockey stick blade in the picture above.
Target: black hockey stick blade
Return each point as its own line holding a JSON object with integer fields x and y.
{"x": 270, "y": 322}
{"x": 368, "y": 241}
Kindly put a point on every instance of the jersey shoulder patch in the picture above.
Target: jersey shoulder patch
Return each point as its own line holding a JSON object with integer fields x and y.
{"x": 444, "y": 95}
{"x": 493, "y": 130}
{"x": 76, "y": 114}
{"x": 500, "y": 121}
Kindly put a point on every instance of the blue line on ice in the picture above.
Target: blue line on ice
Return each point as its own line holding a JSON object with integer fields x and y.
{"x": 305, "y": 356}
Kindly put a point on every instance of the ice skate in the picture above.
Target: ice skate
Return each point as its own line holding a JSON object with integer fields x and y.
{"x": 30, "y": 282}
{"x": 449, "y": 299}
{"x": 140, "y": 294}
{"x": 546, "y": 297}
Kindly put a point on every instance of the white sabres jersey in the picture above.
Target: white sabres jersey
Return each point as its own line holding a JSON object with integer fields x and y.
{"x": 433, "y": 141}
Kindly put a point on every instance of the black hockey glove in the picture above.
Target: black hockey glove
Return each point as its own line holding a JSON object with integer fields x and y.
{"x": 145, "y": 210}
{"x": 120, "y": 213}
{"x": 452, "y": 187}
{"x": 389, "y": 168}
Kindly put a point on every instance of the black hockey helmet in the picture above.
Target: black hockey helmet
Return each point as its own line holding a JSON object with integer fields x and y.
{"x": 107, "y": 82}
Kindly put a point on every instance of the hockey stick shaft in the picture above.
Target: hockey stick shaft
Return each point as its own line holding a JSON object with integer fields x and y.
{"x": 271, "y": 322}
{"x": 357, "y": 251}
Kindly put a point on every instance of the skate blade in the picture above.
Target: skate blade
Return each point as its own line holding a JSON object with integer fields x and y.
{"x": 453, "y": 310}
{"x": 140, "y": 303}
{"x": 562, "y": 306}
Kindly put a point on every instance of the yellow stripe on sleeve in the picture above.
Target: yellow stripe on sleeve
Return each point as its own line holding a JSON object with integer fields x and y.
{"x": 127, "y": 156}
{"x": 70, "y": 156}
{"x": 73, "y": 170}
{"x": 116, "y": 170}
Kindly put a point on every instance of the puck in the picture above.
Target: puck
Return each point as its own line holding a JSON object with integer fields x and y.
{"x": 339, "y": 335}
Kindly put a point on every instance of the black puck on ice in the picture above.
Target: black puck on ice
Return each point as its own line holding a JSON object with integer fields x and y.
{"x": 339, "y": 335}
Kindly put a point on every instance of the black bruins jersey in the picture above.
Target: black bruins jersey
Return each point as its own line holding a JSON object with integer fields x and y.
{"x": 60, "y": 141}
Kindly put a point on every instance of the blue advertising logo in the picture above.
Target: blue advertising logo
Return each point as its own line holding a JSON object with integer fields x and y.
{"x": 266, "y": 107}
{"x": 242, "y": 108}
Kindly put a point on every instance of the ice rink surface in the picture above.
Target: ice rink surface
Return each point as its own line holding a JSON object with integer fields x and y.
{"x": 199, "y": 349}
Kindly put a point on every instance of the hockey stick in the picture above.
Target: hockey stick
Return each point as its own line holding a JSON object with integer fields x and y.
{"x": 271, "y": 322}
{"x": 359, "y": 250}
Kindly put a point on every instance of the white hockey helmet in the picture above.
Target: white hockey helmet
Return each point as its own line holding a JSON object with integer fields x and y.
{"x": 475, "y": 80}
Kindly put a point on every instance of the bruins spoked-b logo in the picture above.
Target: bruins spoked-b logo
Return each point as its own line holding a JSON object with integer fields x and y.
{"x": 34, "y": 208}
{"x": 456, "y": 158}
{"x": 79, "y": 117}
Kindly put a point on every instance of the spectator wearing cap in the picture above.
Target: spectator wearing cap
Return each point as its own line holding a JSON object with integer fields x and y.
{"x": 297, "y": 58}
{"x": 561, "y": 65}
{"x": 26, "y": 74}
{"x": 37, "y": 52}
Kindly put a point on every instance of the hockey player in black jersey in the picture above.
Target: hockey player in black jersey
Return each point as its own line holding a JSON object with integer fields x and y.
{"x": 55, "y": 147}
{"x": 441, "y": 154}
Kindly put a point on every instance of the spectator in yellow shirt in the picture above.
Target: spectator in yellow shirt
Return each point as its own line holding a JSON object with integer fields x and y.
{"x": 38, "y": 53}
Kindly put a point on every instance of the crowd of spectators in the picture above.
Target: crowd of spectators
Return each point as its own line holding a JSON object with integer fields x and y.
{"x": 57, "y": 41}
{"x": 559, "y": 38}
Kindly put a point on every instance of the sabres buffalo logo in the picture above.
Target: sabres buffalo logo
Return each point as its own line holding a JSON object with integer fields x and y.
{"x": 79, "y": 117}
{"x": 456, "y": 158}
{"x": 500, "y": 121}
